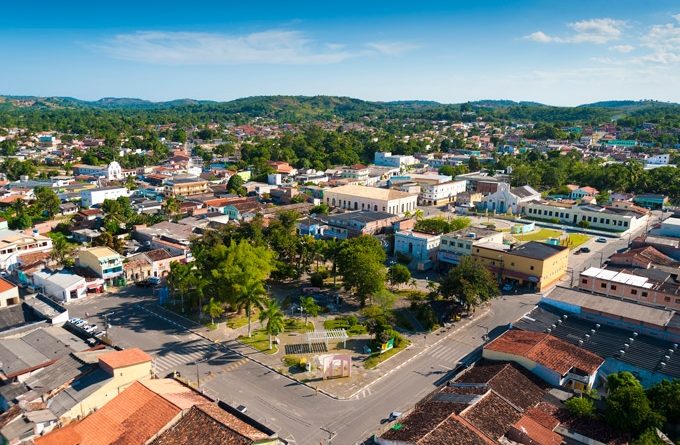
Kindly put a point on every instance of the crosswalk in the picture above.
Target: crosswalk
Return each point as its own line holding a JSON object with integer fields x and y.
{"x": 445, "y": 352}
{"x": 171, "y": 359}
{"x": 363, "y": 394}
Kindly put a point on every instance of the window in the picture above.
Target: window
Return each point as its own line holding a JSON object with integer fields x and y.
{"x": 584, "y": 281}
{"x": 603, "y": 285}
{"x": 613, "y": 287}
{"x": 532, "y": 268}
{"x": 512, "y": 264}
{"x": 644, "y": 294}
{"x": 667, "y": 299}
{"x": 633, "y": 291}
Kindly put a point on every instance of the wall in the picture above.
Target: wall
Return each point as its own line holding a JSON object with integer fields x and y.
{"x": 545, "y": 374}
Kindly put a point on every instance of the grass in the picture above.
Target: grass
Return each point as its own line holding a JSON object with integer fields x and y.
{"x": 259, "y": 341}
{"x": 342, "y": 323}
{"x": 297, "y": 325}
{"x": 576, "y": 239}
{"x": 540, "y": 235}
{"x": 238, "y": 321}
{"x": 377, "y": 358}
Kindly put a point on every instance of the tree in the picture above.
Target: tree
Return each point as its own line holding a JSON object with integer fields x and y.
{"x": 61, "y": 250}
{"x": 46, "y": 201}
{"x": 274, "y": 317}
{"x": 360, "y": 262}
{"x": 399, "y": 274}
{"x": 470, "y": 283}
{"x": 581, "y": 407}
{"x": 214, "y": 310}
{"x": 627, "y": 407}
{"x": 235, "y": 185}
{"x": 252, "y": 295}
{"x": 474, "y": 164}
{"x": 310, "y": 307}
{"x": 171, "y": 205}
{"x": 665, "y": 399}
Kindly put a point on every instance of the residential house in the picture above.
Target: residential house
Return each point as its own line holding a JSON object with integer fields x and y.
{"x": 669, "y": 227}
{"x": 645, "y": 257}
{"x": 154, "y": 263}
{"x": 14, "y": 244}
{"x": 581, "y": 192}
{"x": 357, "y": 197}
{"x": 62, "y": 285}
{"x": 353, "y": 224}
{"x": 104, "y": 262}
{"x": 185, "y": 187}
{"x": 468, "y": 199}
{"x": 651, "y": 201}
{"x": 420, "y": 247}
{"x": 68, "y": 208}
{"x": 555, "y": 361}
{"x": 458, "y": 244}
{"x": 537, "y": 266}
{"x": 509, "y": 200}
{"x": 9, "y": 294}
{"x": 92, "y": 197}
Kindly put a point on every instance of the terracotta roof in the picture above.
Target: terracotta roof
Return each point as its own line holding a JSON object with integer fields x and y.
{"x": 131, "y": 418}
{"x": 5, "y": 285}
{"x": 158, "y": 254}
{"x": 539, "y": 434}
{"x": 644, "y": 254}
{"x": 455, "y": 431}
{"x": 493, "y": 415}
{"x": 126, "y": 357}
{"x": 546, "y": 350}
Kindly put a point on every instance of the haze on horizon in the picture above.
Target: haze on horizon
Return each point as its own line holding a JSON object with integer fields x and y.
{"x": 450, "y": 52}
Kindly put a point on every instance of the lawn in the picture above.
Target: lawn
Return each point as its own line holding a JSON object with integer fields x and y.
{"x": 576, "y": 239}
{"x": 297, "y": 325}
{"x": 540, "y": 235}
{"x": 259, "y": 341}
{"x": 343, "y": 323}
{"x": 238, "y": 321}
{"x": 377, "y": 358}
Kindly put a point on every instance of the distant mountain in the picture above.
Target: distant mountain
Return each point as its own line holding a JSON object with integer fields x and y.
{"x": 501, "y": 103}
{"x": 629, "y": 104}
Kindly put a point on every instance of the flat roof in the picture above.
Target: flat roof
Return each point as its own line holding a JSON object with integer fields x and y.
{"x": 361, "y": 215}
{"x": 361, "y": 191}
{"x": 618, "y": 277}
{"x": 652, "y": 315}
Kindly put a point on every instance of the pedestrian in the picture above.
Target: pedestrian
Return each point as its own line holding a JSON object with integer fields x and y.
{"x": 87, "y": 314}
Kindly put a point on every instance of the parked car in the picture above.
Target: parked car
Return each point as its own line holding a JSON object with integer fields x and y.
{"x": 99, "y": 334}
{"x": 585, "y": 250}
{"x": 144, "y": 283}
{"x": 154, "y": 281}
{"x": 601, "y": 240}
{"x": 507, "y": 287}
{"x": 242, "y": 408}
{"x": 394, "y": 415}
{"x": 90, "y": 329}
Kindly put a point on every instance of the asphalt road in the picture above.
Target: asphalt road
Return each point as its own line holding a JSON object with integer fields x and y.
{"x": 296, "y": 411}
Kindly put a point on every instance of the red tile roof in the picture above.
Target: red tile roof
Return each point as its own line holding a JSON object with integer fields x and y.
{"x": 126, "y": 357}
{"x": 5, "y": 285}
{"x": 546, "y": 350}
{"x": 539, "y": 434}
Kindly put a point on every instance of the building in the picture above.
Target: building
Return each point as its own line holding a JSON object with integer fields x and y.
{"x": 581, "y": 192}
{"x": 535, "y": 265}
{"x": 357, "y": 173}
{"x": 154, "y": 263}
{"x": 9, "y": 294}
{"x": 441, "y": 193}
{"x": 92, "y": 197}
{"x": 106, "y": 263}
{"x": 651, "y": 201}
{"x": 353, "y": 224}
{"x": 387, "y": 159}
{"x": 658, "y": 160}
{"x": 14, "y": 244}
{"x": 420, "y": 247}
{"x": 468, "y": 199}
{"x": 185, "y": 187}
{"x": 596, "y": 217}
{"x": 112, "y": 171}
{"x": 669, "y": 227}
{"x": 357, "y": 197}
{"x": 61, "y": 285}
{"x": 555, "y": 361}
{"x": 509, "y": 200}
{"x": 643, "y": 258}
{"x": 455, "y": 245}
{"x": 663, "y": 291}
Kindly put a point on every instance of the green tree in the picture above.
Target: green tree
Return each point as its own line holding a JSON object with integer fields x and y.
{"x": 398, "y": 274}
{"x": 171, "y": 205}
{"x": 581, "y": 407}
{"x": 252, "y": 295}
{"x": 473, "y": 164}
{"x": 61, "y": 251}
{"x": 235, "y": 185}
{"x": 665, "y": 399}
{"x": 627, "y": 407}
{"x": 309, "y": 307}
{"x": 46, "y": 201}
{"x": 273, "y": 315}
{"x": 214, "y": 309}
{"x": 470, "y": 283}
{"x": 360, "y": 262}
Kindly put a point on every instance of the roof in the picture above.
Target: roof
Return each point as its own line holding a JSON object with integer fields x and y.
{"x": 126, "y": 357}
{"x": 158, "y": 254}
{"x": 539, "y": 434}
{"x": 101, "y": 252}
{"x": 132, "y": 417}
{"x": 364, "y": 216}
{"x": 6, "y": 285}
{"x": 524, "y": 191}
{"x": 646, "y": 254}
{"x": 656, "y": 316}
{"x": 360, "y": 191}
{"x": 538, "y": 251}
{"x": 546, "y": 350}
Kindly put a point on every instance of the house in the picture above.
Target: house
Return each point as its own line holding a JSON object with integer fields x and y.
{"x": 455, "y": 245}
{"x": 669, "y": 227}
{"x": 581, "y": 192}
{"x": 357, "y": 173}
{"x": 509, "y": 200}
{"x": 185, "y": 187}
{"x": 596, "y": 217}
{"x": 15, "y": 243}
{"x": 537, "y": 266}
{"x": 106, "y": 263}
{"x": 441, "y": 193}
{"x": 216, "y": 423}
{"x": 112, "y": 171}
{"x": 358, "y": 197}
{"x": 468, "y": 199}
{"x": 647, "y": 286}
{"x": 420, "y": 247}
{"x": 651, "y": 201}
{"x": 92, "y": 197}
{"x": 644, "y": 257}
{"x": 555, "y": 361}
{"x": 154, "y": 263}
{"x": 61, "y": 285}
{"x": 68, "y": 208}
{"x": 353, "y": 224}
{"x": 9, "y": 294}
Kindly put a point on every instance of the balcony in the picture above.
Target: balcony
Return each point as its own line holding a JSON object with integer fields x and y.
{"x": 577, "y": 378}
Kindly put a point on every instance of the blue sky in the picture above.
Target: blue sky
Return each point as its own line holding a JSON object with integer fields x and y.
{"x": 555, "y": 52}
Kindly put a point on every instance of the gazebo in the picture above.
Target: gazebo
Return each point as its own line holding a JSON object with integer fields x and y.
{"x": 325, "y": 335}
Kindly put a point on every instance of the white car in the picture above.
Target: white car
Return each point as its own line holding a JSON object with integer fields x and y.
{"x": 99, "y": 334}
{"x": 90, "y": 329}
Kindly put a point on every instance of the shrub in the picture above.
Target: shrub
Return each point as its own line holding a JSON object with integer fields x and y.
{"x": 581, "y": 407}
{"x": 352, "y": 320}
{"x": 316, "y": 279}
{"x": 403, "y": 258}
{"x": 555, "y": 220}
{"x": 291, "y": 360}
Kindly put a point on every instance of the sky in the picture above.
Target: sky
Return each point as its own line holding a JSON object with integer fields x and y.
{"x": 550, "y": 51}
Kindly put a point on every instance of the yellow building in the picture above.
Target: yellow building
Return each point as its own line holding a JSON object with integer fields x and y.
{"x": 535, "y": 265}
{"x": 186, "y": 187}
{"x": 105, "y": 262}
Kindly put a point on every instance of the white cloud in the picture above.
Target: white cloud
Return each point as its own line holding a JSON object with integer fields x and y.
{"x": 391, "y": 48}
{"x": 622, "y": 48}
{"x": 598, "y": 31}
{"x": 677, "y": 17}
{"x": 664, "y": 43}
{"x": 267, "y": 47}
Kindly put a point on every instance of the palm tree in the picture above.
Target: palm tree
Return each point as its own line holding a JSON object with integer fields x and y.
{"x": 418, "y": 214}
{"x": 61, "y": 250}
{"x": 171, "y": 205}
{"x": 330, "y": 253}
{"x": 214, "y": 309}
{"x": 252, "y": 295}
{"x": 273, "y": 314}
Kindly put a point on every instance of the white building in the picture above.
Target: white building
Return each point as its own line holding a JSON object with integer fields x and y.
{"x": 441, "y": 193}
{"x": 112, "y": 171}
{"x": 455, "y": 245}
{"x": 663, "y": 159}
{"x": 14, "y": 244}
{"x": 420, "y": 247}
{"x": 358, "y": 197}
{"x": 61, "y": 285}
{"x": 387, "y": 159}
{"x": 9, "y": 294}
{"x": 507, "y": 199}
{"x": 89, "y": 198}
{"x": 596, "y": 217}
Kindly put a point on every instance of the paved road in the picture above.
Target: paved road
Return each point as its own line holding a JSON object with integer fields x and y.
{"x": 295, "y": 410}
